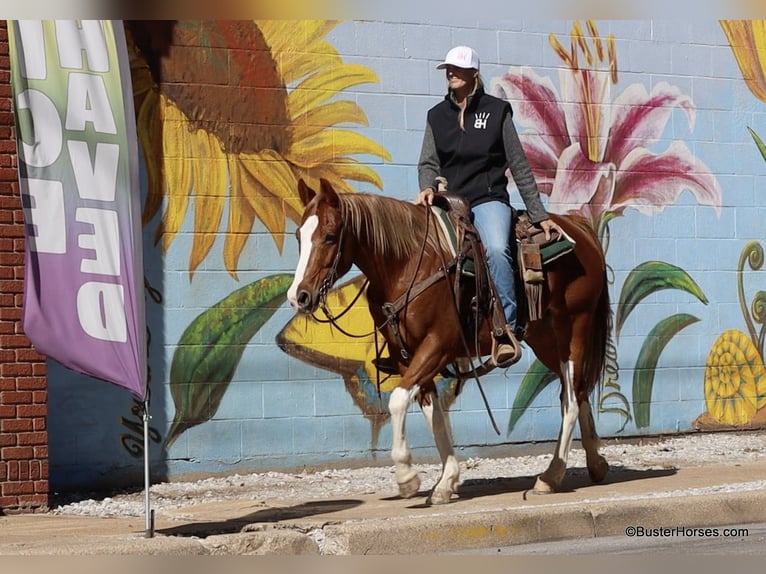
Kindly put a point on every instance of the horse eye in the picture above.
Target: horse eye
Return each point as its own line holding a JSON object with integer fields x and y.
{"x": 330, "y": 238}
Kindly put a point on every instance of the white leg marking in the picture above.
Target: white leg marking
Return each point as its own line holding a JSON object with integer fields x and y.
{"x": 551, "y": 479}
{"x": 398, "y": 404}
{"x": 438, "y": 422}
{"x": 306, "y": 231}
{"x": 569, "y": 412}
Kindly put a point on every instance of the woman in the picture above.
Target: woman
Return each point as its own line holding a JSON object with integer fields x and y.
{"x": 471, "y": 141}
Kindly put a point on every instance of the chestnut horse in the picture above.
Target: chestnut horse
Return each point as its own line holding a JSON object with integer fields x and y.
{"x": 385, "y": 239}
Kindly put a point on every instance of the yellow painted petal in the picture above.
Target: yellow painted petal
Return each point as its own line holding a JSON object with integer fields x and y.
{"x": 266, "y": 181}
{"x": 177, "y": 174}
{"x": 241, "y": 219}
{"x": 331, "y": 145}
{"x": 320, "y": 118}
{"x": 747, "y": 39}
{"x": 210, "y": 174}
{"x": 349, "y": 168}
{"x": 320, "y": 87}
{"x": 327, "y": 347}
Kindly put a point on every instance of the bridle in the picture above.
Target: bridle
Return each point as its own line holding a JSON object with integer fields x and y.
{"x": 332, "y": 274}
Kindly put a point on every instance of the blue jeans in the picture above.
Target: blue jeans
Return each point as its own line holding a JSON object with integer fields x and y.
{"x": 493, "y": 222}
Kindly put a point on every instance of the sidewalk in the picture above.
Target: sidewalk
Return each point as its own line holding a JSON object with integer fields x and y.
{"x": 493, "y": 512}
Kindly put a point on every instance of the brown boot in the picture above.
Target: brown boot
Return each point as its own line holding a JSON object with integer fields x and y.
{"x": 506, "y": 350}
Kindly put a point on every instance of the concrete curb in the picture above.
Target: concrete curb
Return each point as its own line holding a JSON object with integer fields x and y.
{"x": 487, "y": 517}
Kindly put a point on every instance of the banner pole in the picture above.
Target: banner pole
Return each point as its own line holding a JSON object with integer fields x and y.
{"x": 149, "y": 513}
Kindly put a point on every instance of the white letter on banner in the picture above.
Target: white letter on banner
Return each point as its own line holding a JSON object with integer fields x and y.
{"x": 33, "y": 40}
{"x": 46, "y": 212}
{"x": 72, "y": 40}
{"x": 105, "y": 241}
{"x": 88, "y": 102}
{"x": 101, "y": 311}
{"x": 46, "y": 129}
{"x": 97, "y": 180}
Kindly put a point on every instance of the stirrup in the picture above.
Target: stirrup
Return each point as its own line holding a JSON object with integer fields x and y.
{"x": 506, "y": 350}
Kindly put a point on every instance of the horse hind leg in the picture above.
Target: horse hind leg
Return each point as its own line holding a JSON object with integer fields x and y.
{"x": 406, "y": 477}
{"x": 438, "y": 422}
{"x": 550, "y": 480}
{"x": 597, "y": 464}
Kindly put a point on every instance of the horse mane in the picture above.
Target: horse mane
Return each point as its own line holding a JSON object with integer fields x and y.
{"x": 391, "y": 227}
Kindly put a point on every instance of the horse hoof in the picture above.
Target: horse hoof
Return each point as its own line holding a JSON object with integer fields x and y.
{"x": 439, "y": 497}
{"x": 542, "y": 487}
{"x": 598, "y": 471}
{"x": 409, "y": 488}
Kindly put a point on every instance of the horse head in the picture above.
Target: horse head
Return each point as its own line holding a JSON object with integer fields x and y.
{"x": 322, "y": 259}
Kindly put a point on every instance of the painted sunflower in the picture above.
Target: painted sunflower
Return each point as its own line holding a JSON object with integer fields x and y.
{"x": 231, "y": 114}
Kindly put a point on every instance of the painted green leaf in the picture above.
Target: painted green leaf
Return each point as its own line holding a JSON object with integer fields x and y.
{"x": 759, "y": 143}
{"x": 211, "y": 347}
{"x": 646, "y": 364}
{"x": 648, "y": 278}
{"x": 537, "y": 378}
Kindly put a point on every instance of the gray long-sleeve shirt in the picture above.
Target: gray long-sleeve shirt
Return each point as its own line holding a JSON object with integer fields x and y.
{"x": 429, "y": 168}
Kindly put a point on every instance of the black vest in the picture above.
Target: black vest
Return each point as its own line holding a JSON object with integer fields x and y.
{"x": 474, "y": 160}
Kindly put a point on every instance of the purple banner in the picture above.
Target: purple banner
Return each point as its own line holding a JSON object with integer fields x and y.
{"x": 78, "y": 174}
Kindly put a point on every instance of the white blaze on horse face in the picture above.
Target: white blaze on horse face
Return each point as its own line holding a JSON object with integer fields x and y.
{"x": 306, "y": 231}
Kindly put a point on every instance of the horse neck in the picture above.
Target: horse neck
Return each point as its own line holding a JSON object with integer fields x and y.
{"x": 380, "y": 270}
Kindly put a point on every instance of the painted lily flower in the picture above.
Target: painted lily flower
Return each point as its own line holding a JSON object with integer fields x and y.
{"x": 593, "y": 154}
{"x": 747, "y": 39}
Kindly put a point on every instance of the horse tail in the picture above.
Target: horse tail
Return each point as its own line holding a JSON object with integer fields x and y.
{"x": 595, "y": 356}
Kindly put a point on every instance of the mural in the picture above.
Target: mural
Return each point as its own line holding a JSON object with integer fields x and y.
{"x": 735, "y": 378}
{"x": 233, "y": 135}
{"x": 651, "y": 141}
{"x": 594, "y": 155}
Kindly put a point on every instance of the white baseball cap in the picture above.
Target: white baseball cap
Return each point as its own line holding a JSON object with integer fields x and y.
{"x": 461, "y": 57}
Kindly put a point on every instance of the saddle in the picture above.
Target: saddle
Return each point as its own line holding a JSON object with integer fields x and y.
{"x": 533, "y": 253}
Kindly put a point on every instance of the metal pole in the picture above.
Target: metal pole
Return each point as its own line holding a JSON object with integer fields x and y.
{"x": 149, "y": 532}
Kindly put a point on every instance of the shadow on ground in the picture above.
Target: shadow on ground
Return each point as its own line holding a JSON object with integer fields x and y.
{"x": 267, "y": 515}
{"x": 576, "y": 479}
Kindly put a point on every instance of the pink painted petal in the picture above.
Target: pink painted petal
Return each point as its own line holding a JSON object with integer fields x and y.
{"x": 535, "y": 103}
{"x": 585, "y": 94}
{"x": 650, "y": 182}
{"x": 639, "y": 119}
{"x": 582, "y": 186}
{"x": 542, "y": 159}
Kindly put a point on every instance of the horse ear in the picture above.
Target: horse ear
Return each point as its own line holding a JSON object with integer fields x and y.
{"x": 328, "y": 191}
{"x": 305, "y": 192}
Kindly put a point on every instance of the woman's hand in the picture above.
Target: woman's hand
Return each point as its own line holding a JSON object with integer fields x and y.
{"x": 549, "y": 226}
{"x": 425, "y": 197}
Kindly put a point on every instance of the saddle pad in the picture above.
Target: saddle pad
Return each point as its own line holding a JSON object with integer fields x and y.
{"x": 448, "y": 230}
{"x": 450, "y": 235}
{"x": 554, "y": 249}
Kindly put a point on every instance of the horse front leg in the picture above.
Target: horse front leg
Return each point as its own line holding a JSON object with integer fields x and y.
{"x": 438, "y": 422}
{"x": 406, "y": 477}
{"x": 550, "y": 480}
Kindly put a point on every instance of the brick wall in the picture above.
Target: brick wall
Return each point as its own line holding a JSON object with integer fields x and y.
{"x": 23, "y": 372}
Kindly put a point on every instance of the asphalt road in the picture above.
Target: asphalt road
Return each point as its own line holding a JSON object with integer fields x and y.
{"x": 730, "y": 540}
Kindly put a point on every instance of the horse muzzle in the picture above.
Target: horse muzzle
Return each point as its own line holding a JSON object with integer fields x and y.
{"x": 305, "y": 302}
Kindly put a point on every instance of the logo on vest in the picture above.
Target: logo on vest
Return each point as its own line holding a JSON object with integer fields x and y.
{"x": 480, "y": 123}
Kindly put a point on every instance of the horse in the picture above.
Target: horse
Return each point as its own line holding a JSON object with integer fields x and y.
{"x": 396, "y": 247}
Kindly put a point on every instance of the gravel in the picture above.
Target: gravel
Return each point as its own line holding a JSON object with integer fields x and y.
{"x": 656, "y": 453}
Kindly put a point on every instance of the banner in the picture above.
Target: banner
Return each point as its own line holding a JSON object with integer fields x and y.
{"x": 78, "y": 174}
